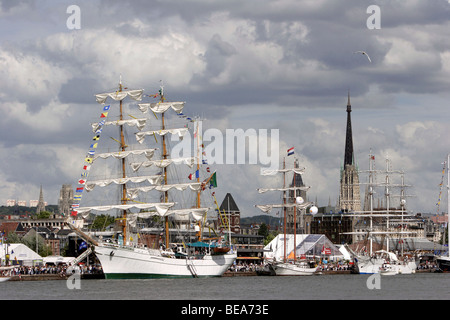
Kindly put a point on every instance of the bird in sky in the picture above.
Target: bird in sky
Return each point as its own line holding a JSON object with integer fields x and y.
{"x": 364, "y": 53}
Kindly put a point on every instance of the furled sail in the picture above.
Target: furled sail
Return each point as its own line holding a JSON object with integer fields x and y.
{"x": 162, "y": 163}
{"x": 140, "y": 136}
{"x": 133, "y": 192}
{"x": 195, "y": 213}
{"x": 138, "y": 123}
{"x": 268, "y": 207}
{"x": 120, "y": 95}
{"x": 161, "y": 208}
{"x": 161, "y": 107}
{"x": 123, "y": 154}
{"x": 106, "y": 182}
{"x": 303, "y": 188}
{"x": 272, "y": 172}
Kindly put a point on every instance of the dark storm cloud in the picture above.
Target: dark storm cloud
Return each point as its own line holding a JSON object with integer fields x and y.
{"x": 272, "y": 60}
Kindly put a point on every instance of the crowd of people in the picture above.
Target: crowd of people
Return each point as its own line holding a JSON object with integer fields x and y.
{"x": 61, "y": 269}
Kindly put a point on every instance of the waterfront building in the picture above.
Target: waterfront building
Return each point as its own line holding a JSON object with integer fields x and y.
{"x": 332, "y": 225}
{"x": 229, "y": 211}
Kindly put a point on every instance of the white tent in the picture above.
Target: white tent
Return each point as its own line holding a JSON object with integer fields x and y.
{"x": 19, "y": 254}
{"x": 309, "y": 245}
{"x": 56, "y": 260}
{"x": 344, "y": 251}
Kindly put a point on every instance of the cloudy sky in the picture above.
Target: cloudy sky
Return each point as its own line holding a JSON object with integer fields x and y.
{"x": 285, "y": 64}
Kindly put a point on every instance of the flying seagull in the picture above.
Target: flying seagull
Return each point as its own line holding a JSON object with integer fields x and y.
{"x": 364, "y": 53}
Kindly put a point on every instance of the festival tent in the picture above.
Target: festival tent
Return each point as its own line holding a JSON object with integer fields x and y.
{"x": 56, "y": 260}
{"x": 306, "y": 245}
{"x": 19, "y": 254}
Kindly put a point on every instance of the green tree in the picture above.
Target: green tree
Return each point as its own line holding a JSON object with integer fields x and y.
{"x": 43, "y": 215}
{"x": 263, "y": 230}
{"x": 101, "y": 222}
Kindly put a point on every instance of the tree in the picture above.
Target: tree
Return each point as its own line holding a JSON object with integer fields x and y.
{"x": 101, "y": 222}
{"x": 44, "y": 215}
{"x": 263, "y": 230}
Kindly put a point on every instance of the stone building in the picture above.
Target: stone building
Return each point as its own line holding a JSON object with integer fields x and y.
{"x": 229, "y": 211}
{"x": 349, "y": 193}
{"x": 65, "y": 200}
{"x": 41, "y": 204}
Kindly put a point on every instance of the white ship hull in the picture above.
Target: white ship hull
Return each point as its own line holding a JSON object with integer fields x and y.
{"x": 133, "y": 263}
{"x": 369, "y": 266}
{"x": 289, "y": 269}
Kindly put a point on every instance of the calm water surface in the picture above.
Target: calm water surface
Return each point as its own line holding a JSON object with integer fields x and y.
{"x": 424, "y": 286}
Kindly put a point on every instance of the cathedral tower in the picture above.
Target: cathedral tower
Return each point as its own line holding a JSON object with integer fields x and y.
{"x": 349, "y": 195}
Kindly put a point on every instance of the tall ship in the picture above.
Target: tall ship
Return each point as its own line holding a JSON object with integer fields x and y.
{"x": 443, "y": 261}
{"x": 290, "y": 264}
{"x": 367, "y": 260}
{"x": 137, "y": 173}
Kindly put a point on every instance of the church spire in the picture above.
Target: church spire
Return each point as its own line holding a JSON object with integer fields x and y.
{"x": 41, "y": 203}
{"x": 348, "y": 157}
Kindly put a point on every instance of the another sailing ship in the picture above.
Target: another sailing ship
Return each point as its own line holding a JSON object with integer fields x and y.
{"x": 290, "y": 264}
{"x": 126, "y": 256}
{"x": 443, "y": 262}
{"x": 368, "y": 261}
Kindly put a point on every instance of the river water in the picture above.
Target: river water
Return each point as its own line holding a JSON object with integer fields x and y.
{"x": 420, "y": 286}
{"x": 426, "y": 286}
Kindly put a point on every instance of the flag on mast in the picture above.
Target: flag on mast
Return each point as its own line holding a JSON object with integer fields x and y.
{"x": 290, "y": 151}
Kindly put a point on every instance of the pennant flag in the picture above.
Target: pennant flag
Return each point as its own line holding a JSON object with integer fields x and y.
{"x": 106, "y": 108}
{"x": 79, "y": 190}
{"x": 73, "y": 213}
{"x": 207, "y": 169}
{"x": 204, "y": 162}
{"x": 77, "y": 197}
{"x": 88, "y": 160}
{"x": 87, "y": 167}
{"x": 91, "y": 152}
{"x": 190, "y": 176}
{"x": 76, "y": 205}
{"x": 96, "y": 138}
{"x": 197, "y": 174}
{"x": 94, "y": 145}
{"x": 83, "y": 245}
{"x": 213, "y": 181}
{"x": 104, "y": 115}
{"x": 81, "y": 181}
{"x": 290, "y": 151}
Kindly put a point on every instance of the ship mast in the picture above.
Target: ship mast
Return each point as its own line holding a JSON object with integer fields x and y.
{"x": 284, "y": 206}
{"x": 124, "y": 188}
{"x": 295, "y": 211}
{"x": 448, "y": 203}
{"x": 164, "y": 155}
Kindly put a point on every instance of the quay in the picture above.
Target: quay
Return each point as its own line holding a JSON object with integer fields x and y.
{"x": 58, "y": 276}
{"x": 38, "y": 277}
